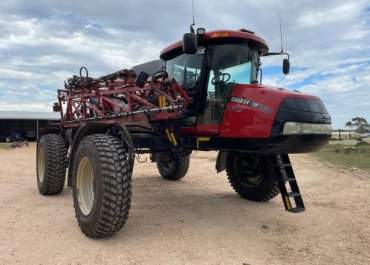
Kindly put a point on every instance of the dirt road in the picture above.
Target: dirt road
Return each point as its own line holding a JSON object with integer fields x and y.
{"x": 198, "y": 220}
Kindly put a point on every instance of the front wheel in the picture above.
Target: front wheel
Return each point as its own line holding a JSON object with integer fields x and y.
{"x": 252, "y": 176}
{"x": 101, "y": 185}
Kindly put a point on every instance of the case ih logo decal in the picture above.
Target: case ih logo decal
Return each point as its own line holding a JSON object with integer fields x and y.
{"x": 252, "y": 104}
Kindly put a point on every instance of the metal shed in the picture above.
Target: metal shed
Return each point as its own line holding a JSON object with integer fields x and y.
{"x": 24, "y": 124}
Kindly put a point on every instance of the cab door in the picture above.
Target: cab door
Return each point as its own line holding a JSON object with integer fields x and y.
{"x": 217, "y": 94}
{"x": 230, "y": 64}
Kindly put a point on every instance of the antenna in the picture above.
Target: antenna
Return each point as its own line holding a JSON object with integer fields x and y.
{"x": 192, "y": 6}
{"x": 281, "y": 35}
{"x": 193, "y": 24}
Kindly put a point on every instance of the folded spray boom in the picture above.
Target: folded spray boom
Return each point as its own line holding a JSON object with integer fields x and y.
{"x": 122, "y": 95}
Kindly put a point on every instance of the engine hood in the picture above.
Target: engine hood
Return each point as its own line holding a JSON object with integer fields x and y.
{"x": 254, "y": 110}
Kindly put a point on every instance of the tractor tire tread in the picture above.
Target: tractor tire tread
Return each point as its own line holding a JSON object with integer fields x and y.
{"x": 55, "y": 164}
{"x": 267, "y": 194}
{"x": 181, "y": 168}
{"x": 272, "y": 193}
{"x": 116, "y": 190}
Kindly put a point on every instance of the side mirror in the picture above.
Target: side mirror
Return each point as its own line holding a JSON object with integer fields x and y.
{"x": 190, "y": 43}
{"x": 286, "y": 66}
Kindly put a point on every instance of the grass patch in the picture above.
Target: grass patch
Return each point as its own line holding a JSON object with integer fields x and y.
{"x": 357, "y": 155}
{"x": 4, "y": 146}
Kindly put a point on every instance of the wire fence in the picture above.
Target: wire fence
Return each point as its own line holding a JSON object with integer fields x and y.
{"x": 344, "y": 135}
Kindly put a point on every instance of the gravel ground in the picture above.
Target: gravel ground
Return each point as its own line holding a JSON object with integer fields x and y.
{"x": 198, "y": 220}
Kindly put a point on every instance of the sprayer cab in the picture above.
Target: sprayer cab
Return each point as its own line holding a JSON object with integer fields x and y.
{"x": 221, "y": 72}
{"x": 196, "y": 42}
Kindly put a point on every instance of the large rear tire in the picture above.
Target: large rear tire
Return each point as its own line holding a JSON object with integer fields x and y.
{"x": 101, "y": 185}
{"x": 51, "y": 164}
{"x": 173, "y": 166}
{"x": 252, "y": 176}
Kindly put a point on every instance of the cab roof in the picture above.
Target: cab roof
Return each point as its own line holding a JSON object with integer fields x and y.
{"x": 219, "y": 36}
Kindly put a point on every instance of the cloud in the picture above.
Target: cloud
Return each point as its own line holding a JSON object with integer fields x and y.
{"x": 329, "y": 15}
{"x": 44, "y": 42}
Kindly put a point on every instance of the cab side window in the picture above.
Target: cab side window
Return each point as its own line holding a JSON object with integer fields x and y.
{"x": 186, "y": 70}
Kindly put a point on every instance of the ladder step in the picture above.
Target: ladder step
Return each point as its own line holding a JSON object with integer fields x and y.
{"x": 290, "y": 179}
{"x": 285, "y": 165}
{"x": 298, "y": 210}
{"x": 294, "y": 194}
{"x": 286, "y": 174}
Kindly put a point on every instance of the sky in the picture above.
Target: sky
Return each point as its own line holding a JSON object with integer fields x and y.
{"x": 44, "y": 42}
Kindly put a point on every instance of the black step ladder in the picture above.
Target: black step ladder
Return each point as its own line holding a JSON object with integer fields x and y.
{"x": 286, "y": 174}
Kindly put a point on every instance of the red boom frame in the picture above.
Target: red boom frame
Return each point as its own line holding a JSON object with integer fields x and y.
{"x": 113, "y": 97}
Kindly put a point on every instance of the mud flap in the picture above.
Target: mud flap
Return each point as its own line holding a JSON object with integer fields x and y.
{"x": 221, "y": 161}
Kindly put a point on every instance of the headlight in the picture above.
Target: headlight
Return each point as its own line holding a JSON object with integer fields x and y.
{"x": 306, "y": 128}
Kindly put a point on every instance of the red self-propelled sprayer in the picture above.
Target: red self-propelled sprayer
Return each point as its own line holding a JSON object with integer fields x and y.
{"x": 204, "y": 93}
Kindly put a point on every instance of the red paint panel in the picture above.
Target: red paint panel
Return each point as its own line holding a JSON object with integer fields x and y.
{"x": 244, "y": 121}
{"x": 202, "y": 130}
{"x": 222, "y": 34}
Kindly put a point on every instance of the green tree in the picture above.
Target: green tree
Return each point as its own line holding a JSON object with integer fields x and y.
{"x": 349, "y": 125}
{"x": 360, "y": 124}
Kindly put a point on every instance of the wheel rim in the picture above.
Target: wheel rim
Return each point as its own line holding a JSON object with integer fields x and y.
{"x": 85, "y": 186}
{"x": 41, "y": 164}
{"x": 249, "y": 170}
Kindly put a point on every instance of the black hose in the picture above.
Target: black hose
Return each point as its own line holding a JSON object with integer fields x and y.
{"x": 86, "y": 71}
{"x": 127, "y": 139}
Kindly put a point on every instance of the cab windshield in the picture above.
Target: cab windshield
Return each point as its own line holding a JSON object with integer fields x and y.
{"x": 230, "y": 64}
{"x": 226, "y": 65}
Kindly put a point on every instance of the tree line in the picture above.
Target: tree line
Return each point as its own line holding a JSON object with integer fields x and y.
{"x": 359, "y": 124}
